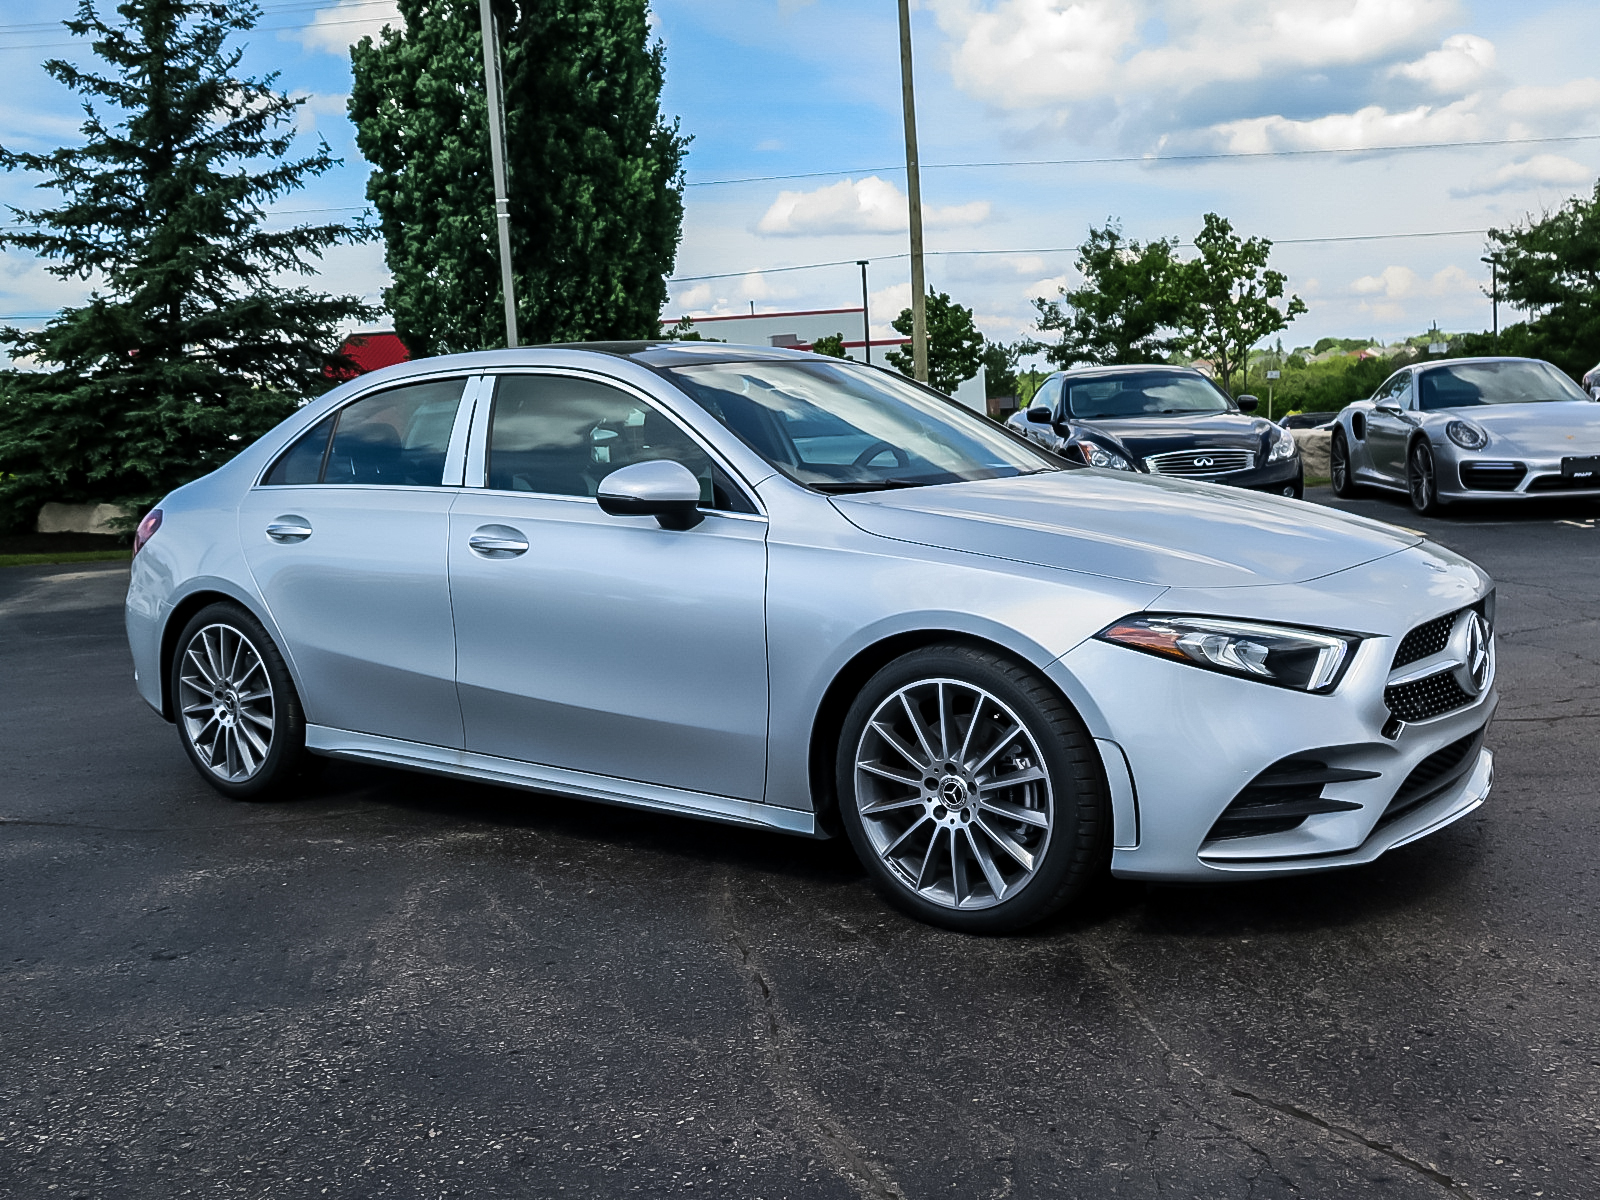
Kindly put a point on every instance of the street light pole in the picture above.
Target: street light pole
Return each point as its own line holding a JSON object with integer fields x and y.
{"x": 497, "y": 163}
{"x": 866, "y": 322}
{"x": 919, "y": 289}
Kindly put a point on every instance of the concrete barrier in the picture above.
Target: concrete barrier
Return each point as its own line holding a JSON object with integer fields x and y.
{"x": 1314, "y": 445}
{"x": 80, "y": 518}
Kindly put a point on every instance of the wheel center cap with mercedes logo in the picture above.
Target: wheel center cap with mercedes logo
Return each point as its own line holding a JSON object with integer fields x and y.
{"x": 953, "y": 792}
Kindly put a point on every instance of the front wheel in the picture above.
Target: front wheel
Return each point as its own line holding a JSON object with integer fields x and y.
{"x": 971, "y": 791}
{"x": 1422, "y": 480}
{"x": 236, "y": 709}
{"x": 1344, "y": 484}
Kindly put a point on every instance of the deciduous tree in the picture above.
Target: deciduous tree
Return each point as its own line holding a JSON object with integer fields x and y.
{"x": 1127, "y": 309}
{"x": 189, "y": 346}
{"x": 955, "y": 347}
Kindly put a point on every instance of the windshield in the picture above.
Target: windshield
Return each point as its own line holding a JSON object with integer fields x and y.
{"x": 1144, "y": 394}
{"x": 841, "y": 428}
{"x": 1463, "y": 385}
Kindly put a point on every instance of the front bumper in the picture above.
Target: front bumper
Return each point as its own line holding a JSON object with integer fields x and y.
{"x": 1488, "y": 477}
{"x": 1273, "y": 477}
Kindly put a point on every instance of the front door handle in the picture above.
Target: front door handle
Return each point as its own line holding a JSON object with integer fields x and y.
{"x": 498, "y": 541}
{"x": 289, "y": 529}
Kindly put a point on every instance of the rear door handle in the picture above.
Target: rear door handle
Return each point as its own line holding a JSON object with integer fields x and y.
{"x": 289, "y": 529}
{"x": 498, "y": 541}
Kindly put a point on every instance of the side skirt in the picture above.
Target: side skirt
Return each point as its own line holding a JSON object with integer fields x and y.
{"x": 607, "y": 789}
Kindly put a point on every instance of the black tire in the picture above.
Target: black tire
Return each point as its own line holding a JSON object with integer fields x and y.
{"x": 1340, "y": 476}
{"x": 954, "y": 807}
{"x": 219, "y": 709}
{"x": 1422, "y": 480}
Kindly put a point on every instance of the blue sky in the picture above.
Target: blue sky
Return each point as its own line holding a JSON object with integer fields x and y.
{"x": 784, "y": 87}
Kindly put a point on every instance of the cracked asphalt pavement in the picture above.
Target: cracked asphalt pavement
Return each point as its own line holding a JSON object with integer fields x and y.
{"x": 405, "y": 986}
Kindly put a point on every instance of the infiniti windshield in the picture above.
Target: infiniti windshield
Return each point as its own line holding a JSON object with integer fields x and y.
{"x": 1143, "y": 394}
{"x": 837, "y": 427}
{"x": 1464, "y": 385}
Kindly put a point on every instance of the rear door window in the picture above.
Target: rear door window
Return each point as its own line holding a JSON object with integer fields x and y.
{"x": 394, "y": 438}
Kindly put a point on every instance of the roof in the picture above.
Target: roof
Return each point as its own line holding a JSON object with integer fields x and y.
{"x": 1124, "y": 368}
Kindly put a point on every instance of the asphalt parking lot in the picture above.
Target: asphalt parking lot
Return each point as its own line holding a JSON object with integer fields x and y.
{"x": 403, "y": 986}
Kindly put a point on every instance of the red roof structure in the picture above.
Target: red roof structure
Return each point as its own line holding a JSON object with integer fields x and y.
{"x": 369, "y": 352}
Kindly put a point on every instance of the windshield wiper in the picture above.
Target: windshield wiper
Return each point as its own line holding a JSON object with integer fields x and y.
{"x": 842, "y": 487}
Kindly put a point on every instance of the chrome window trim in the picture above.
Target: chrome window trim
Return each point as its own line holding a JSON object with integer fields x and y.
{"x": 455, "y": 455}
{"x": 467, "y": 377}
{"x": 476, "y": 475}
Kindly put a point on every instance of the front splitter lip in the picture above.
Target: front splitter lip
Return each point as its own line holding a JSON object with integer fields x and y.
{"x": 1429, "y": 818}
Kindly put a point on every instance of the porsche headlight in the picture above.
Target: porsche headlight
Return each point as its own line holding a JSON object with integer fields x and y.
{"x": 1466, "y": 435}
{"x": 1304, "y": 659}
{"x": 1282, "y": 445}
{"x": 1098, "y": 456}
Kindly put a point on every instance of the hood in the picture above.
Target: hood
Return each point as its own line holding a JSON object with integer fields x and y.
{"x": 1144, "y": 529}
{"x": 1157, "y": 435}
{"x": 1559, "y": 427}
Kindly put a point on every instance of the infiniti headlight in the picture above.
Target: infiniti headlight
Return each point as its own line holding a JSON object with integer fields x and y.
{"x": 1466, "y": 435}
{"x": 1098, "y": 456}
{"x": 1282, "y": 444}
{"x": 1304, "y": 659}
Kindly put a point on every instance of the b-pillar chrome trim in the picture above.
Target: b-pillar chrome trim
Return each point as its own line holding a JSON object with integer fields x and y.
{"x": 464, "y": 764}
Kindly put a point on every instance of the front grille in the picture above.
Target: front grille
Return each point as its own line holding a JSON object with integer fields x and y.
{"x": 1283, "y": 796}
{"x": 1492, "y": 476}
{"x": 1561, "y": 483}
{"x": 1199, "y": 464}
{"x": 1424, "y": 640}
{"x": 1425, "y": 698}
{"x": 1434, "y": 775}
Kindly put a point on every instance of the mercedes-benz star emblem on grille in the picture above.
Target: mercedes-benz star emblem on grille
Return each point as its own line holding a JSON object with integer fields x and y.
{"x": 1204, "y": 462}
{"x": 1471, "y": 644}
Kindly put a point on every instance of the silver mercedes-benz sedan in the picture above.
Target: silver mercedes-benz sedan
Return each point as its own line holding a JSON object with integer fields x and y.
{"x": 1470, "y": 429}
{"x": 792, "y": 592}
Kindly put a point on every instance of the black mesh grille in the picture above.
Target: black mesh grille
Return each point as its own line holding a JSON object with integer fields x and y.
{"x": 1492, "y": 477}
{"x": 1426, "y": 698}
{"x": 1435, "y": 774}
{"x": 1560, "y": 483}
{"x": 1424, "y": 640}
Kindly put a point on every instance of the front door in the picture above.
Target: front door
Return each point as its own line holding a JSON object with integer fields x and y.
{"x": 346, "y": 538}
{"x": 1389, "y": 428}
{"x": 605, "y": 644}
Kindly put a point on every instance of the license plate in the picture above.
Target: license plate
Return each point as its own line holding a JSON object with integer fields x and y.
{"x": 1581, "y": 468}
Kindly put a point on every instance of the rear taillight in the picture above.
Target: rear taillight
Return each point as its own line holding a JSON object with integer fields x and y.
{"x": 147, "y": 529}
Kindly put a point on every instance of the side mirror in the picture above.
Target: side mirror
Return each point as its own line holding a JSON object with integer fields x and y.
{"x": 1247, "y": 403}
{"x": 1392, "y": 410}
{"x": 1039, "y": 414}
{"x": 660, "y": 488}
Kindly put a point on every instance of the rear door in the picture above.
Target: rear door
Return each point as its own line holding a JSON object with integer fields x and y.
{"x": 347, "y": 536}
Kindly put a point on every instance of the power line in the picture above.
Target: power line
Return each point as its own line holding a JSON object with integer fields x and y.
{"x": 1155, "y": 159}
{"x": 850, "y": 262}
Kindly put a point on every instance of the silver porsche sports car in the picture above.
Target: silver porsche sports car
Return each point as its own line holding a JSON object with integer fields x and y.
{"x": 792, "y": 592}
{"x": 1470, "y": 429}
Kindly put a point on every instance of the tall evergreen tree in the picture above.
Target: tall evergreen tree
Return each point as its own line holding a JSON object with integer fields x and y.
{"x": 187, "y": 348}
{"x": 594, "y": 171}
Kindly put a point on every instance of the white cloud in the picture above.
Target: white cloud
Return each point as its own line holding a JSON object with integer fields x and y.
{"x": 1541, "y": 170}
{"x": 1576, "y": 96}
{"x": 1370, "y": 126}
{"x": 869, "y": 205}
{"x": 336, "y": 28}
{"x": 1454, "y": 68}
{"x": 1399, "y": 283}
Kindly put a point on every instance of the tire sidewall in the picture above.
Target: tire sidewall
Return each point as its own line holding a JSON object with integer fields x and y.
{"x": 1079, "y": 847}
{"x": 1339, "y": 449}
{"x": 1430, "y": 504}
{"x": 287, "y": 753}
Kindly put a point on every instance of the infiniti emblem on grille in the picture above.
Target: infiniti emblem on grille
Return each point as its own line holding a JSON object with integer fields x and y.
{"x": 1205, "y": 462}
{"x": 1471, "y": 643}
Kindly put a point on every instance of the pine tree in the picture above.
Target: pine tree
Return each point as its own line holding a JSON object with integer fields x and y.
{"x": 594, "y": 172}
{"x": 187, "y": 349}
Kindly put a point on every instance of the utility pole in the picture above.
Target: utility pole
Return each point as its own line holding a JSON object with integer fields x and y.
{"x": 866, "y": 323}
{"x": 1494, "y": 295}
{"x": 497, "y": 162}
{"x": 919, "y": 287}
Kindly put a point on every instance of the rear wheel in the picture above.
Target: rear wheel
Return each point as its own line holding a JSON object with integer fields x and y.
{"x": 236, "y": 709}
{"x": 971, "y": 792}
{"x": 1344, "y": 484}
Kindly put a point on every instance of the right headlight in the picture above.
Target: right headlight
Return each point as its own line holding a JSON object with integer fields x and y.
{"x": 1307, "y": 660}
{"x": 1466, "y": 435}
{"x": 1098, "y": 456}
{"x": 1282, "y": 444}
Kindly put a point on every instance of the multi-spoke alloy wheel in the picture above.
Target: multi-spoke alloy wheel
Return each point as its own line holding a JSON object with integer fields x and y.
{"x": 970, "y": 789}
{"x": 226, "y": 701}
{"x": 952, "y": 794}
{"x": 235, "y": 703}
{"x": 1423, "y": 480}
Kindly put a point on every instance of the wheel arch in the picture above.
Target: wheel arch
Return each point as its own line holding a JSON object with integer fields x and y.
{"x": 837, "y": 697}
{"x": 182, "y": 611}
